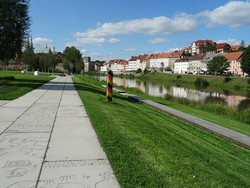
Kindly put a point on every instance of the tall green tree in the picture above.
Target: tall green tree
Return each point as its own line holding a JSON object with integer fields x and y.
{"x": 73, "y": 54}
{"x": 66, "y": 65}
{"x": 14, "y": 26}
{"x": 242, "y": 46}
{"x": 245, "y": 61}
{"x": 218, "y": 64}
{"x": 210, "y": 48}
{"x": 29, "y": 57}
{"x": 79, "y": 66}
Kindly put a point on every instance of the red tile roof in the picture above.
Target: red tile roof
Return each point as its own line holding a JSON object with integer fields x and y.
{"x": 233, "y": 56}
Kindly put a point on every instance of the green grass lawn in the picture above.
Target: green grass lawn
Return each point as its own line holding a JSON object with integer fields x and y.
{"x": 148, "y": 148}
{"x": 224, "y": 121}
{"x": 22, "y": 84}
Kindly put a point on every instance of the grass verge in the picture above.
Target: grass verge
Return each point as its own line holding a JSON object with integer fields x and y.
{"x": 20, "y": 85}
{"x": 147, "y": 148}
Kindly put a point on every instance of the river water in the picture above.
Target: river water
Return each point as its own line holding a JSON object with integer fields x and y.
{"x": 198, "y": 95}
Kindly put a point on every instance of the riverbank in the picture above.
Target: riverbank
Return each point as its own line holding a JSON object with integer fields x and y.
{"x": 214, "y": 81}
{"x": 148, "y": 148}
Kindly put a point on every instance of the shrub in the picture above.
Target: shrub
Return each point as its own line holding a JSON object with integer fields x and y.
{"x": 236, "y": 87}
{"x": 169, "y": 97}
{"x": 7, "y": 78}
{"x": 227, "y": 79}
{"x": 178, "y": 76}
{"x": 248, "y": 81}
{"x": 201, "y": 82}
{"x": 4, "y": 82}
{"x": 184, "y": 101}
{"x": 138, "y": 71}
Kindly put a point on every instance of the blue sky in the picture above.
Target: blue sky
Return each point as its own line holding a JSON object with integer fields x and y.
{"x": 109, "y": 29}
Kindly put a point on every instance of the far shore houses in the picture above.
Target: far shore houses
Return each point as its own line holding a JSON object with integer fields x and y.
{"x": 179, "y": 62}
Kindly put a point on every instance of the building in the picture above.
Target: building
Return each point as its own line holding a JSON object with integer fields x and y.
{"x": 235, "y": 47}
{"x": 118, "y": 65}
{"x": 195, "y": 63}
{"x": 199, "y": 46}
{"x": 158, "y": 61}
{"x": 223, "y": 47}
{"x": 234, "y": 59}
{"x": 181, "y": 66}
{"x": 208, "y": 57}
{"x": 88, "y": 64}
{"x": 173, "y": 57}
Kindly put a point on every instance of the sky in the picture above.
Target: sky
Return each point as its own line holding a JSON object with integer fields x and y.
{"x": 119, "y": 29}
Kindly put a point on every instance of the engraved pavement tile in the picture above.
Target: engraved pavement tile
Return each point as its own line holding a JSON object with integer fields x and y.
{"x": 4, "y": 125}
{"x": 68, "y": 111}
{"x": 21, "y": 157}
{"x": 78, "y": 174}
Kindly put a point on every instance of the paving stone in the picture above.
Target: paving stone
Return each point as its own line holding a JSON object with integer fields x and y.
{"x": 70, "y": 100}
{"x": 4, "y": 125}
{"x": 10, "y": 114}
{"x": 21, "y": 157}
{"x": 73, "y": 138}
{"x": 71, "y": 111}
{"x": 73, "y": 174}
{"x": 2, "y": 102}
{"x": 24, "y": 101}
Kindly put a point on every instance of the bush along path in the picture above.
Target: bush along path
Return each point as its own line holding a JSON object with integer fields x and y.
{"x": 148, "y": 148}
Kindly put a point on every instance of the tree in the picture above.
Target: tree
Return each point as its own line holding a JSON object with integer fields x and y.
{"x": 14, "y": 26}
{"x": 210, "y": 48}
{"x": 29, "y": 57}
{"x": 79, "y": 66}
{"x": 245, "y": 61}
{"x": 4, "y": 63}
{"x": 218, "y": 64}
{"x": 65, "y": 65}
{"x": 242, "y": 46}
{"x": 73, "y": 54}
{"x": 138, "y": 71}
{"x": 51, "y": 59}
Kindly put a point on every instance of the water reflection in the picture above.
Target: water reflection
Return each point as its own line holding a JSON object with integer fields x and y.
{"x": 198, "y": 95}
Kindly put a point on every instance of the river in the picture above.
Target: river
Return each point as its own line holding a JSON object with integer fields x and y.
{"x": 199, "y": 95}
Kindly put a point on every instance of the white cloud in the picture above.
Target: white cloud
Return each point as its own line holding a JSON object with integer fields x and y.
{"x": 234, "y": 14}
{"x": 229, "y": 41}
{"x": 93, "y": 41}
{"x": 158, "y": 40}
{"x": 41, "y": 42}
{"x": 114, "y": 40}
{"x": 129, "y": 50}
{"x": 172, "y": 50}
{"x": 83, "y": 51}
{"x": 159, "y": 25}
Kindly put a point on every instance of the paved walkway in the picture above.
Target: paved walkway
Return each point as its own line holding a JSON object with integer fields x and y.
{"x": 46, "y": 140}
{"x": 233, "y": 136}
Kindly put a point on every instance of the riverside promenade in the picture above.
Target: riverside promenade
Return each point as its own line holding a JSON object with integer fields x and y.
{"x": 47, "y": 140}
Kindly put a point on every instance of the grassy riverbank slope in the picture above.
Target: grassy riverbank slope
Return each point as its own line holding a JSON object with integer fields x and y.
{"x": 14, "y": 84}
{"x": 148, "y": 148}
{"x": 215, "y": 81}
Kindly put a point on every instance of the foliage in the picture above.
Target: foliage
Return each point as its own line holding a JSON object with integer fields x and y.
{"x": 14, "y": 25}
{"x": 138, "y": 71}
{"x": 168, "y": 69}
{"x": 218, "y": 64}
{"x": 201, "y": 82}
{"x": 242, "y": 46}
{"x": 135, "y": 90}
{"x": 210, "y": 48}
{"x": 169, "y": 97}
{"x": 79, "y": 66}
{"x": 237, "y": 87}
{"x": 29, "y": 58}
{"x": 4, "y": 82}
{"x": 245, "y": 61}
{"x": 145, "y": 71}
{"x": 248, "y": 81}
{"x": 227, "y": 79}
{"x": 73, "y": 54}
{"x": 4, "y": 63}
{"x": 178, "y": 76}
{"x": 65, "y": 64}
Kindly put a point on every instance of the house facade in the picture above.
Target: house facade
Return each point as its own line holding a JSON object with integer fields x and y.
{"x": 199, "y": 46}
{"x": 223, "y": 47}
{"x": 234, "y": 59}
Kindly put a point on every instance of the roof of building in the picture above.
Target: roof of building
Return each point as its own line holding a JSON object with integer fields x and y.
{"x": 176, "y": 54}
{"x": 204, "y": 42}
{"x": 235, "y": 47}
{"x": 221, "y": 45}
{"x": 233, "y": 55}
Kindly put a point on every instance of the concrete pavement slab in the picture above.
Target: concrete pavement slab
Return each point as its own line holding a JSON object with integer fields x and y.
{"x": 24, "y": 101}
{"x": 70, "y": 100}
{"x": 78, "y": 174}
{"x": 21, "y": 157}
{"x": 73, "y": 138}
{"x": 71, "y": 111}
{"x": 4, "y": 125}
{"x": 2, "y": 102}
{"x": 10, "y": 114}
